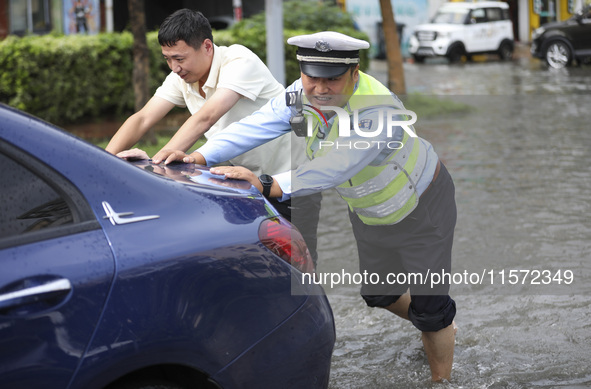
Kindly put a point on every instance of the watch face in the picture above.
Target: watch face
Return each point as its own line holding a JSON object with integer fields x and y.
{"x": 266, "y": 179}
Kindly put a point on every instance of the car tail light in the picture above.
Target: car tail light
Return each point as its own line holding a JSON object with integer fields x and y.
{"x": 285, "y": 241}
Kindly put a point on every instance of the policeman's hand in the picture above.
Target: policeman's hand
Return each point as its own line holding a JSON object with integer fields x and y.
{"x": 229, "y": 183}
{"x": 133, "y": 154}
{"x": 238, "y": 173}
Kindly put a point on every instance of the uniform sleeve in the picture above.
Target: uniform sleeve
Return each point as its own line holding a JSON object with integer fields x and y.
{"x": 269, "y": 122}
{"x": 170, "y": 90}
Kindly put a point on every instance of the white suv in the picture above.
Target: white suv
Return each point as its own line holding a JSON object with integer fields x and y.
{"x": 460, "y": 29}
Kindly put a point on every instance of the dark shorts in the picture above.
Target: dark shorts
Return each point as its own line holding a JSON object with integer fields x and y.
{"x": 405, "y": 254}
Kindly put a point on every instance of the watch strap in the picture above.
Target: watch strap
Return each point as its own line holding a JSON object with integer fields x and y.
{"x": 267, "y": 182}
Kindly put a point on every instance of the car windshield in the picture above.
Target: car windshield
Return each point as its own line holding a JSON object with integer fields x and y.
{"x": 450, "y": 16}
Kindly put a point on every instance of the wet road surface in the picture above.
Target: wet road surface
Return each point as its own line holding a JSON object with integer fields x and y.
{"x": 520, "y": 162}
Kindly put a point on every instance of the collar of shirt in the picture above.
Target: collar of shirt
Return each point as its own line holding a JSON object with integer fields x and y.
{"x": 214, "y": 71}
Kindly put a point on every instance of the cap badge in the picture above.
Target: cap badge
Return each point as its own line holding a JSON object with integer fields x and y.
{"x": 322, "y": 46}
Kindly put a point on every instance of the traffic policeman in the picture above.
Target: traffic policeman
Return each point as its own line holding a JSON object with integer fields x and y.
{"x": 360, "y": 141}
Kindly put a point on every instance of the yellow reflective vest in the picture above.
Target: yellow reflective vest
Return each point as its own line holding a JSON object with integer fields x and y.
{"x": 385, "y": 192}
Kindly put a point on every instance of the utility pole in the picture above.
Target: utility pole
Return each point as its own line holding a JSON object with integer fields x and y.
{"x": 109, "y": 15}
{"x": 275, "y": 48}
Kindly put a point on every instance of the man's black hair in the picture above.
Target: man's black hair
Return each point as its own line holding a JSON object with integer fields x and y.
{"x": 186, "y": 25}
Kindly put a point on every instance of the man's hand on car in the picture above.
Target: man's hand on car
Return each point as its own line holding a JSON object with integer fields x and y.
{"x": 167, "y": 156}
{"x": 133, "y": 154}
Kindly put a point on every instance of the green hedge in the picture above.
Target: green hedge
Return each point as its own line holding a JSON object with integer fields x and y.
{"x": 63, "y": 79}
{"x": 68, "y": 79}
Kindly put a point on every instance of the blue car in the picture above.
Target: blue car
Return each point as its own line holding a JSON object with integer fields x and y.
{"x": 133, "y": 275}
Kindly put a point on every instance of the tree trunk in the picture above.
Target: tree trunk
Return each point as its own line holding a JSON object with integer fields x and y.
{"x": 141, "y": 58}
{"x": 393, "y": 54}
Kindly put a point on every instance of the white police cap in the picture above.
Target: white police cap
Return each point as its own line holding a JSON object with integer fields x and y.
{"x": 327, "y": 54}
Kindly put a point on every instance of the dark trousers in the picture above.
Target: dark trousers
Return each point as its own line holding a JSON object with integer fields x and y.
{"x": 420, "y": 244}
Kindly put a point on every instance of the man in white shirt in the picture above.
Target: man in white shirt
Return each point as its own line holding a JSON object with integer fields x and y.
{"x": 219, "y": 85}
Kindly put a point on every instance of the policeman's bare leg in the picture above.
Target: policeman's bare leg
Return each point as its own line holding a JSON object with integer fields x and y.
{"x": 439, "y": 347}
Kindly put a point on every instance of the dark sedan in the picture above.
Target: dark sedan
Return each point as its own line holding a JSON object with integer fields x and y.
{"x": 560, "y": 43}
{"x": 119, "y": 275}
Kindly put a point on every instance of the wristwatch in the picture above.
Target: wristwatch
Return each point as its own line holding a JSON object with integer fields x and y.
{"x": 267, "y": 181}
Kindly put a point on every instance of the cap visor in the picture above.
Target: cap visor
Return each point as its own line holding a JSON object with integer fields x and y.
{"x": 323, "y": 70}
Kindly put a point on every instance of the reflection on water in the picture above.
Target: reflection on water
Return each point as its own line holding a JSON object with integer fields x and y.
{"x": 521, "y": 165}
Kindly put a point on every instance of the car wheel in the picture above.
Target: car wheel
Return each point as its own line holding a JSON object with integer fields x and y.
{"x": 418, "y": 58}
{"x": 506, "y": 51}
{"x": 558, "y": 55}
{"x": 455, "y": 54}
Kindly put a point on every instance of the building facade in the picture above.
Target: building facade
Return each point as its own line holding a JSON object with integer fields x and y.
{"x": 21, "y": 17}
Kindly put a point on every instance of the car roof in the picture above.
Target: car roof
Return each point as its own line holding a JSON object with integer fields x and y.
{"x": 479, "y": 4}
{"x": 67, "y": 148}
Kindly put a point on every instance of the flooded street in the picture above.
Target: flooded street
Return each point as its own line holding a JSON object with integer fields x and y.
{"x": 520, "y": 162}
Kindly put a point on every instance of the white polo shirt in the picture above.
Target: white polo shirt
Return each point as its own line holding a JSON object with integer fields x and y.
{"x": 239, "y": 69}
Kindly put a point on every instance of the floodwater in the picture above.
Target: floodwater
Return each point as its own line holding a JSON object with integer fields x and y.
{"x": 521, "y": 166}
